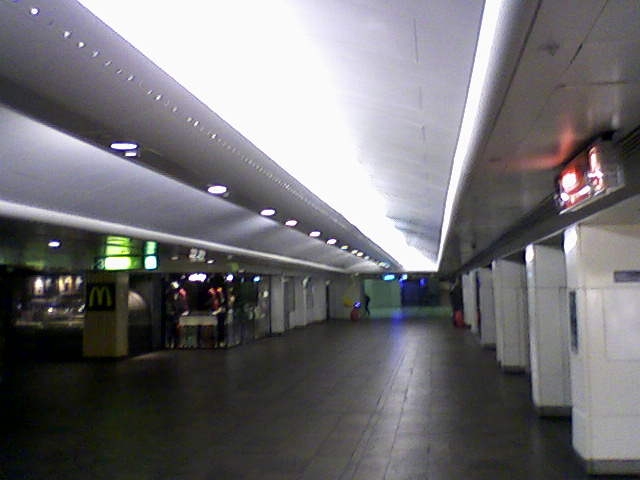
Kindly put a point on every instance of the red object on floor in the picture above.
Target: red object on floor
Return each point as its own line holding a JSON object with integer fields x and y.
{"x": 355, "y": 314}
{"x": 458, "y": 320}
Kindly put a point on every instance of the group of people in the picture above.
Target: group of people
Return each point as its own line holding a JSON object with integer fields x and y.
{"x": 219, "y": 304}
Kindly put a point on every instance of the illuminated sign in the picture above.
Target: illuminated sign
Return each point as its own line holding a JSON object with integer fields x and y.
{"x": 123, "y": 253}
{"x": 590, "y": 174}
{"x": 101, "y": 297}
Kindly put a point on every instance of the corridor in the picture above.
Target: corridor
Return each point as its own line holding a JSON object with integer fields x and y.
{"x": 403, "y": 398}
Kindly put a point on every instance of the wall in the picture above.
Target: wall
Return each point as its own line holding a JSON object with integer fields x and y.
{"x": 277, "y": 304}
{"x": 343, "y": 292}
{"x": 383, "y": 294}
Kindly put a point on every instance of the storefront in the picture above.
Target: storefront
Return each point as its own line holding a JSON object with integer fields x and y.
{"x": 215, "y": 310}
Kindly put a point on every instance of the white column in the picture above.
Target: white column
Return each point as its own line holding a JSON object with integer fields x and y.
{"x": 548, "y": 330}
{"x": 603, "y": 278}
{"x": 487, "y": 321}
{"x": 106, "y": 322}
{"x": 277, "y": 304}
{"x": 512, "y": 336}
{"x": 469, "y": 299}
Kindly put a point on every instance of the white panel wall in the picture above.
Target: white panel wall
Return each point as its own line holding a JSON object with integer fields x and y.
{"x": 487, "y": 321}
{"x": 314, "y": 300}
{"x": 470, "y": 301}
{"x": 605, "y": 363}
{"x": 277, "y": 304}
{"x": 512, "y": 335}
{"x": 344, "y": 291}
{"x": 549, "y": 329}
{"x": 297, "y": 317}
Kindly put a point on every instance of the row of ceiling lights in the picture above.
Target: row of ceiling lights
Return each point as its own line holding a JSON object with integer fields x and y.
{"x": 130, "y": 149}
{"x": 270, "y": 212}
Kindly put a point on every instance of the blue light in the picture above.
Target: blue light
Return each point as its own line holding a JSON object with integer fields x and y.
{"x": 388, "y": 277}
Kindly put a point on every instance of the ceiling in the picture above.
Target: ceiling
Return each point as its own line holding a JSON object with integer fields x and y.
{"x": 562, "y": 74}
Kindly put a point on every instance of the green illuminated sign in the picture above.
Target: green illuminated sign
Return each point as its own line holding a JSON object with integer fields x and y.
{"x": 123, "y": 253}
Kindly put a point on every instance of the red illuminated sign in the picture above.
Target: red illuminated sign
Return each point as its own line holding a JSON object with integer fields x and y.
{"x": 586, "y": 176}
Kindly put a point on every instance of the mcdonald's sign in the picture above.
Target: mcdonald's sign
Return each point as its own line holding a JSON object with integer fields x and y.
{"x": 101, "y": 297}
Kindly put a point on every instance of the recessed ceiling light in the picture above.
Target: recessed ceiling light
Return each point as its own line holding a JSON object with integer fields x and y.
{"x": 217, "y": 189}
{"x": 291, "y": 223}
{"x": 360, "y": 254}
{"x": 354, "y": 251}
{"x": 268, "y": 212}
{"x": 344, "y": 247}
{"x": 174, "y": 258}
{"x": 124, "y": 146}
{"x": 314, "y": 234}
{"x": 34, "y": 11}
{"x": 332, "y": 241}
{"x": 130, "y": 153}
{"x": 54, "y": 244}
{"x": 210, "y": 261}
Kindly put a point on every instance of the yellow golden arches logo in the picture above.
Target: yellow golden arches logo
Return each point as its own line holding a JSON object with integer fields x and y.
{"x": 101, "y": 296}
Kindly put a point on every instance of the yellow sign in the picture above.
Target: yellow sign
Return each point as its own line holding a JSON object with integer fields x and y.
{"x": 101, "y": 297}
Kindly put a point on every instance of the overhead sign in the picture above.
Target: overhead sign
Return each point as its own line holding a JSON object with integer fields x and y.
{"x": 101, "y": 297}
{"x": 123, "y": 253}
{"x": 588, "y": 175}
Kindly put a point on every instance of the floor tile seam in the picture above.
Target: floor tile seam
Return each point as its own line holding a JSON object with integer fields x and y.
{"x": 358, "y": 454}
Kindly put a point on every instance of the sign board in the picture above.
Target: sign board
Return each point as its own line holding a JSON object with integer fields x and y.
{"x": 101, "y": 297}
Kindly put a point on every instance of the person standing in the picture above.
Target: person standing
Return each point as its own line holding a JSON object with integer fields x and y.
{"x": 219, "y": 310}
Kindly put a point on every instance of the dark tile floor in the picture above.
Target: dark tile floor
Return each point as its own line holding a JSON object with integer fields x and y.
{"x": 380, "y": 399}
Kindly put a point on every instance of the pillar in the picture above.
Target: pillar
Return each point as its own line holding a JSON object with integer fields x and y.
{"x": 548, "y": 330}
{"x": 469, "y": 299}
{"x": 486, "y": 307}
{"x": 107, "y": 315}
{"x": 603, "y": 278}
{"x": 277, "y": 305}
{"x": 510, "y": 302}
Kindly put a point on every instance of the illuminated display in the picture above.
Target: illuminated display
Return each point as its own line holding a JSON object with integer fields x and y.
{"x": 123, "y": 253}
{"x": 589, "y": 174}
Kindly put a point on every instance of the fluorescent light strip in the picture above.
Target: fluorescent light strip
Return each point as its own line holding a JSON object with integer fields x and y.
{"x": 492, "y": 30}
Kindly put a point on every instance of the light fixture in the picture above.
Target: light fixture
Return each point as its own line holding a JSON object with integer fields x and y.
{"x": 332, "y": 241}
{"x": 354, "y": 251}
{"x": 314, "y": 234}
{"x": 123, "y": 146}
{"x": 217, "y": 189}
{"x": 34, "y": 11}
{"x": 210, "y": 261}
{"x": 268, "y": 212}
{"x": 344, "y": 247}
{"x": 174, "y": 258}
{"x": 360, "y": 254}
{"x": 291, "y": 223}
{"x": 198, "y": 277}
{"x": 54, "y": 244}
{"x": 229, "y": 277}
{"x": 131, "y": 153}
